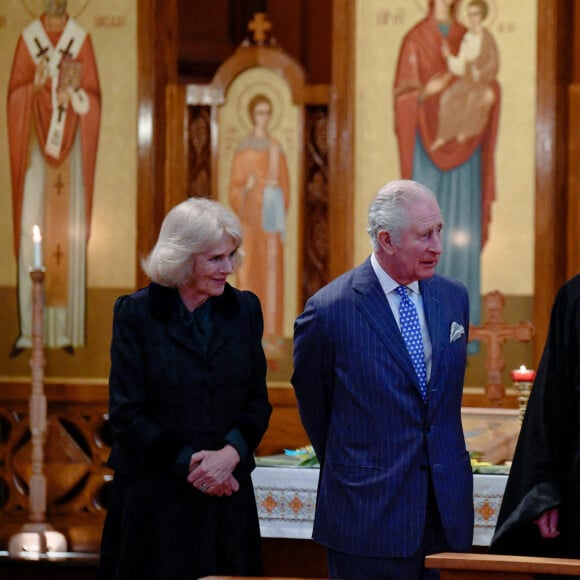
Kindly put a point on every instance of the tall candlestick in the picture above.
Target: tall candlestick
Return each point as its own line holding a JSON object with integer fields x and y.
{"x": 37, "y": 539}
{"x": 37, "y": 243}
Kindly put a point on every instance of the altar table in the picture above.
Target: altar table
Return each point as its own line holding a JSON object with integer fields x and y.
{"x": 286, "y": 498}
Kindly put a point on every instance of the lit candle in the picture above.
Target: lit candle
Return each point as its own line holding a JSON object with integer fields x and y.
{"x": 37, "y": 242}
{"x": 523, "y": 375}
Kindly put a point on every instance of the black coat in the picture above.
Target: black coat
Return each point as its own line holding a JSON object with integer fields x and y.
{"x": 546, "y": 468}
{"x": 168, "y": 399}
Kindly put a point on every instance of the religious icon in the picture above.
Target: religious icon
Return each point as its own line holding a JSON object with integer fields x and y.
{"x": 447, "y": 102}
{"x": 465, "y": 104}
{"x": 259, "y": 193}
{"x": 54, "y": 110}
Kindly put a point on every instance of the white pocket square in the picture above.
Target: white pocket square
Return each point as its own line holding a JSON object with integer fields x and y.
{"x": 457, "y": 331}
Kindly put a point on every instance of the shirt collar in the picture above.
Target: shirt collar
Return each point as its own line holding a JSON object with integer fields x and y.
{"x": 387, "y": 283}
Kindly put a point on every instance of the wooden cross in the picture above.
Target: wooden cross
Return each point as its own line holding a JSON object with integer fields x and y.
{"x": 260, "y": 25}
{"x": 494, "y": 333}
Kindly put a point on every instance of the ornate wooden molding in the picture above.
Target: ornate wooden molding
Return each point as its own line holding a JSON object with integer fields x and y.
{"x": 315, "y": 226}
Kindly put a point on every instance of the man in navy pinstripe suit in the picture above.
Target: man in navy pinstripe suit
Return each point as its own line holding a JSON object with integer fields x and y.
{"x": 395, "y": 477}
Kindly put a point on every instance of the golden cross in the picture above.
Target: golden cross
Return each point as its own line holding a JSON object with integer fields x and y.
{"x": 259, "y": 26}
{"x": 494, "y": 333}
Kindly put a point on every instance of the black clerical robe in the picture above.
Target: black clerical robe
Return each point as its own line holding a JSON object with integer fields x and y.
{"x": 546, "y": 468}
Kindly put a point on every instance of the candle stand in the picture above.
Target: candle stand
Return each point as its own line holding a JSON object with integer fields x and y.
{"x": 37, "y": 538}
{"x": 524, "y": 388}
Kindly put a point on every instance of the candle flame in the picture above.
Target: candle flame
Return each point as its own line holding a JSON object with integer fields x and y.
{"x": 523, "y": 368}
{"x": 36, "y": 237}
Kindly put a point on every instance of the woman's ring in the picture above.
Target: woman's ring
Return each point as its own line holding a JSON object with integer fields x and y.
{"x": 203, "y": 487}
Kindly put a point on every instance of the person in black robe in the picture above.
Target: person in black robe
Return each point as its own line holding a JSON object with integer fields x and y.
{"x": 540, "y": 512}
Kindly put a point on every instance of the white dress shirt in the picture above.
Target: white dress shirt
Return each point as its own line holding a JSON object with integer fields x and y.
{"x": 389, "y": 287}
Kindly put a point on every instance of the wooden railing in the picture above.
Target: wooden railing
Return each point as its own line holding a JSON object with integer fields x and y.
{"x": 454, "y": 566}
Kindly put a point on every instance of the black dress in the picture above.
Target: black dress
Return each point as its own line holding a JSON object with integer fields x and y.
{"x": 546, "y": 468}
{"x": 172, "y": 395}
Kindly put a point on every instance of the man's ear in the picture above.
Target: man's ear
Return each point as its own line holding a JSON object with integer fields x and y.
{"x": 385, "y": 242}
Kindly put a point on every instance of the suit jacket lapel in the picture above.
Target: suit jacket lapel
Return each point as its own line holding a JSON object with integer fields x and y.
{"x": 374, "y": 306}
{"x": 437, "y": 333}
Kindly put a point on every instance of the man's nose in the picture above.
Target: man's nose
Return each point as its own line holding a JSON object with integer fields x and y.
{"x": 437, "y": 244}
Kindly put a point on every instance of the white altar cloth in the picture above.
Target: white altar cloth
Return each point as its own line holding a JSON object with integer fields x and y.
{"x": 286, "y": 498}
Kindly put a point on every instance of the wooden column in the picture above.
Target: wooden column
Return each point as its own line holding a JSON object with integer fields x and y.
{"x": 555, "y": 41}
{"x": 157, "y": 66}
{"x": 341, "y": 138}
{"x": 573, "y": 209}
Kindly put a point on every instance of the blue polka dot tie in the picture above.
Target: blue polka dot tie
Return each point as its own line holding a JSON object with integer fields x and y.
{"x": 411, "y": 331}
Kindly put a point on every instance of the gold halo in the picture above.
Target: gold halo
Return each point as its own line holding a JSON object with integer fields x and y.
{"x": 248, "y": 93}
{"x": 488, "y": 20}
{"x": 37, "y": 9}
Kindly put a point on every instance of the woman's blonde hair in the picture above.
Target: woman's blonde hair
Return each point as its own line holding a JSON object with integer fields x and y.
{"x": 191, "y": 227}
